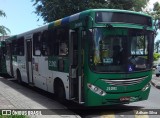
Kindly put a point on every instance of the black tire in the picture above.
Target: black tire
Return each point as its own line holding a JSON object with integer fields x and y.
{"x": 157, "y": 75}
{"x": 60, "y": 92}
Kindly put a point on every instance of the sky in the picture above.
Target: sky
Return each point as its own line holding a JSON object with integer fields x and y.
{"x": 151, "y": 2}
{"x": 21, "y": 17}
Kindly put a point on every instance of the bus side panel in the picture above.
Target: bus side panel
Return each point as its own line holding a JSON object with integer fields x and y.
{"x": 21, "y": 66}
{"x": 8, "y": 67}
{"x": 50, "y": 82}
{"x": 64, "y": 77}
{"x": 41, "y": 72}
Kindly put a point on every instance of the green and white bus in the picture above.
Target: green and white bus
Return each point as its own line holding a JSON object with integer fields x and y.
{"x": 96, "y": 57}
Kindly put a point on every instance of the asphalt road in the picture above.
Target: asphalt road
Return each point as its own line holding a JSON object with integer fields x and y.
{"x": 153, "y": 101}
{"x": 150, "y": 106}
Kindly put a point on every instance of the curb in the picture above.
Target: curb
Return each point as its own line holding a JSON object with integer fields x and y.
{"x": 155, "y": 85}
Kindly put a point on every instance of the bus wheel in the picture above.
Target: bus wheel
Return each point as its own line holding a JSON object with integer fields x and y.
{"x": 19, "y": 77}
{"x": 60, "y": 91}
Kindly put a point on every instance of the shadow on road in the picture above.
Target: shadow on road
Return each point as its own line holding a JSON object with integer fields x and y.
{"x": 49, "y": 101}
{"x": 43, "y": 100}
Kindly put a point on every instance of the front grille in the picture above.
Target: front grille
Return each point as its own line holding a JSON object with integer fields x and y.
{"x": 124, "y": 82}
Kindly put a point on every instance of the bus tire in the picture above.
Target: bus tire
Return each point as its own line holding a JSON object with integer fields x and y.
{"x": 59, "y": 91}
{"x": 19, "y": 79}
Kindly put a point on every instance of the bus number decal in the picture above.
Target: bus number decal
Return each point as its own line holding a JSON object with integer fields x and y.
{"x": 52, "y": 64}
{"x": 78, "y": 24}
{"x": 111, "y": 88}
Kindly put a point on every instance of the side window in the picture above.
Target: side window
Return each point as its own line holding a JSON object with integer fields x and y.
{"x": 62, "y": 35}
{"x": 14, "y": 47}
{"x": 3, "y": 50}
{"x": 52, "y": 43}
{"x": 45, "y": 43}
{"x": 36, "y": 44}
{"x": 20, "y": 46}
{"x": 8, "y": 50}
{"x": 58, "y": 42}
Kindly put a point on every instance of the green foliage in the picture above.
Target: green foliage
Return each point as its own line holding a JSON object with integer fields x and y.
{"x": 51, "y": 10}
{"x": 156, "y": 46}
{"x": 3, "y": 29}
{"x": 2, "y": 13}
{"x": 14, "y": 116}
{"x": 155, "y": 13}
{"x": 156, "y": 56}
{"x": 135, "y": 5}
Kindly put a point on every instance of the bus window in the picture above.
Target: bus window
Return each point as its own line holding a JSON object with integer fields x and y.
{"x": 45, "y": 43}
{"x": 14, "y": 47}
{"x": 20, "y": 47}
{"x": 139, "y": 45}
{"x": 53, "y": 43}
{"x": 36, "y": 44}
{"x": 63, "y": 50}
{"x": 8, "y": 51}
{"x": 120, "y": 50}
{"x": 62, "y": 36}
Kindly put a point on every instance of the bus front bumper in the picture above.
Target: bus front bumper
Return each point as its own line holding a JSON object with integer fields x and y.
{"x": 94, "y": 99}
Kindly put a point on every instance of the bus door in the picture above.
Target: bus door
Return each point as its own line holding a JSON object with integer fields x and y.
{"x": 74, "y": 66}
{"x": 9, "y": 59}
{"x": 29, "y": 61}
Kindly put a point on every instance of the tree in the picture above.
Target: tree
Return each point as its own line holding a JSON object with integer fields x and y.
{"x": 155, "y": 13}
{"x": 135, "y": 5}
{"x": 3, "y": 29}
{"x": 51, "y": 10}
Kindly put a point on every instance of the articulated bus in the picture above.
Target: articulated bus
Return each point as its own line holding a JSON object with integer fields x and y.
{"x": 96, "y": 57}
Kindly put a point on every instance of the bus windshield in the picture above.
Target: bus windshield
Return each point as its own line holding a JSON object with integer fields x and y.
{"x": 120, "y": 50}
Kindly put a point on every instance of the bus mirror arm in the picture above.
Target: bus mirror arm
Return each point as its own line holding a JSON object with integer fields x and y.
{"x": 73, "y": 71}
{"x": 76, "y": 68}
{"x": 145, "y": 29}
{"x": 109, "y": 26}
{"x": 87, "y": 19}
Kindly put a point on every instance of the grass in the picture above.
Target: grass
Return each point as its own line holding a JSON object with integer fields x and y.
{"x": 12, "y": 116}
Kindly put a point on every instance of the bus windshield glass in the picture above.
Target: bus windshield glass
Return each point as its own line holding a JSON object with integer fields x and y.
{"x": 120, "y": 50}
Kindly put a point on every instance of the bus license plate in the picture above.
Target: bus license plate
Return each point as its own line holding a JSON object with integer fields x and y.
{"x": 125, "y": 99}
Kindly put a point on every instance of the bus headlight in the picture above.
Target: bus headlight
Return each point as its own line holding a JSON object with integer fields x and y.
{"x": 96, "y": 90}
{"x": 146, "y": 87}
